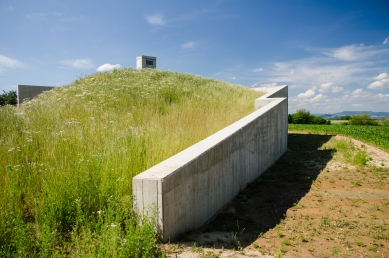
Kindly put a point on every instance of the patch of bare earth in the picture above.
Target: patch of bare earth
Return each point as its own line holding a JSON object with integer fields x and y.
{"x": 311, "y": 203}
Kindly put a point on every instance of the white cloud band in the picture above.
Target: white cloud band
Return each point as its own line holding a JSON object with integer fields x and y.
{"x": 79, "y": 63}
{"x": 156, "y": 19}
{"x": 107, "y": 67}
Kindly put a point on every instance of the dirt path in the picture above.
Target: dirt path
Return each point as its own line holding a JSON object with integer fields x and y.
{"x": 311, "y": 203}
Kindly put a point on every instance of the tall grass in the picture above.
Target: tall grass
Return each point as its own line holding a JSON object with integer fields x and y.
{"x": 68, "y": 157}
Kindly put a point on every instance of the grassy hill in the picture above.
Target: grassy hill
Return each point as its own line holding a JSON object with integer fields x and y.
{"x": 67, "y": 158}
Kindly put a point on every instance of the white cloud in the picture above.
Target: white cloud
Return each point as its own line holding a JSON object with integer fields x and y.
{"x": 10, "y": 63}
{"x": 318, "y": 70}
{"x": 257, "y": 70}
{"x": 232, "y": 78}
{"x": 317, "y": 98}
{"x": 382, "y": 76}
{"x": 382, "y": 81}
{"x": 346, "y": 53}
{"x": 79, "y": 63}
{"x": 375, "y": 85}
{"x": 357, "y": 93}
{"x": 326, "y": 72}
{"x": 383, "y": 97}
{"x": 107, "y": 67}
{"x": 353, "y": 52}
{"x": 321, "y": 103}
{"x": 325, "y": 87}
{"x": 307, "y": 94}
{"x": 291, "y": 72}
{"x": 386, "y": 41}
{"x": 314, "y": 71}
{"x": 156, "y": 19}
{"x": 188, "y": 45}
{"x": 357, "y": 105}
{"x": 337, "y": 89}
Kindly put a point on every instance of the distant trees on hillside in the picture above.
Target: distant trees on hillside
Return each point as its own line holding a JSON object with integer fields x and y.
{"x": 8, "y": 98}
{"x": 362, "y": 119}
{"x": 345, "y": 117}
{"x": 303, "y": 116}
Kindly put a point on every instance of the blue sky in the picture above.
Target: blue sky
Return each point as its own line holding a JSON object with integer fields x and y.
{"x": 334, "y": 55}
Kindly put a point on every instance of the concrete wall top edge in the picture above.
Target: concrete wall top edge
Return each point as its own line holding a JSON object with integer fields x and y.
{"x": 36, "y": 86}
{"x": 148, "y": 57}
{"x": 172, "y": 164}
{"x": 273, "y": 91}
{"x": 28, "y": 92}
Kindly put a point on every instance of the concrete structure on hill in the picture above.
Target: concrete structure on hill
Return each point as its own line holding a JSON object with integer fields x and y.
{"x": 28, "y": 92}
{"x": 146, "y": 62}
{"x": 188, "y": 189}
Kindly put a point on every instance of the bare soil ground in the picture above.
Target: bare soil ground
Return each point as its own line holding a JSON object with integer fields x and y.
{"x": 311, "y": 203}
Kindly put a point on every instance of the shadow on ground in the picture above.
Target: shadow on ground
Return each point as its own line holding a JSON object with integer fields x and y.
{"x": 264, "y": 202}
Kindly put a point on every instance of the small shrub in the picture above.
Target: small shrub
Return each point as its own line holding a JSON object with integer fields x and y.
{"x": 303, "y": 239}
{"x": 385, "y": 122}
{"x": 360, "y": 158}
{"x": 302, "y": 116}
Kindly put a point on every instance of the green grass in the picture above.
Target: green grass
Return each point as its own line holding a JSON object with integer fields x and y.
{"x": 68, "y": 157}
{"x": 375, "y": 135}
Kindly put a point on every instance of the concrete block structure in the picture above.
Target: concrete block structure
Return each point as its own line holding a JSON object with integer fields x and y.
{"x": 188, "y": 189}
{"x": 28, "y": 92}
{"x": 146, "y": 62}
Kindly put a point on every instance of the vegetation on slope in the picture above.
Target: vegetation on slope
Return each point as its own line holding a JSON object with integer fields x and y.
{"x": 67, "y": 158}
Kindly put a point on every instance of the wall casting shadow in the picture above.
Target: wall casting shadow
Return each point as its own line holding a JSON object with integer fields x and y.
{"x": 263, "y": 203}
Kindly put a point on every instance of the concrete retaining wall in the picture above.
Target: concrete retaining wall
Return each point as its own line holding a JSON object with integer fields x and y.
{"x": 28, "y": 92}
{"x": 190, "y": 187}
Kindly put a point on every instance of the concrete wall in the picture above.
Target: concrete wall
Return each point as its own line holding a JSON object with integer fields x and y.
{"x": 27, "y": 92}
{"x": 190, "y": 187}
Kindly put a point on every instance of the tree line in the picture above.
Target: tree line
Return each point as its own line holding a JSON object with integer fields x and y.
{"x": 303, "y": 116}
{"x": 8, "y": 98}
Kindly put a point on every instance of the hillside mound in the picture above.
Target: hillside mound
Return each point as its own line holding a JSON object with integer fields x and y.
{"x": 72, "y": 152}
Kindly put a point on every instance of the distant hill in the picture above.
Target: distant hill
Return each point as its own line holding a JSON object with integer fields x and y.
{"x": 374, "y": 115}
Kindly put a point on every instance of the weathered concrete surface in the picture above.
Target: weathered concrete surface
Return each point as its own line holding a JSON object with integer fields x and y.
{"x": 187, "y": 189}
{"x": 28, "y": 92}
